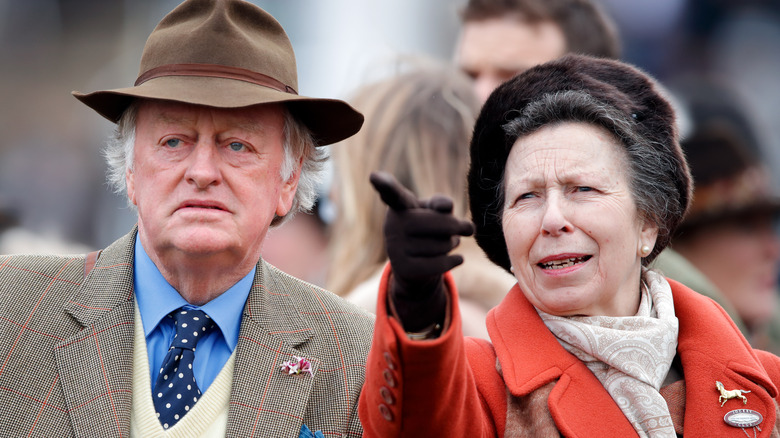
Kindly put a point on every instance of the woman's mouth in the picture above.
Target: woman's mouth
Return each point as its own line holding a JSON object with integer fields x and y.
{"x": 563, "y": 263}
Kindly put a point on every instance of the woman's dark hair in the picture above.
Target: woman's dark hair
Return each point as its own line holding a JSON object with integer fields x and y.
{"x": 575, "y": 88}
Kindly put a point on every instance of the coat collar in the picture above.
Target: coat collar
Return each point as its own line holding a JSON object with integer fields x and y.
{"x": 578, "y": 403}
{"x": 711, "y": 348}
{"x": 709, "y": 345}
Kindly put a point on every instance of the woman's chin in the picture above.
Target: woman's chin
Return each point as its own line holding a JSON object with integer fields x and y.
{"x": 564, "y": 301}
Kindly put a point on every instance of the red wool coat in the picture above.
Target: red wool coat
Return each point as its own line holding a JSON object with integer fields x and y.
{"x": 450, "y": 386}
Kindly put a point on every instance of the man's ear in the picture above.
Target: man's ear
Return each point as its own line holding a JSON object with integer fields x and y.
{"x": 130, "y": 182}
{"x": 287, "y": 194}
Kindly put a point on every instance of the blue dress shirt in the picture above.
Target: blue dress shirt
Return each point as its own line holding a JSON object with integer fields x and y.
{"x": 157, "y": 298}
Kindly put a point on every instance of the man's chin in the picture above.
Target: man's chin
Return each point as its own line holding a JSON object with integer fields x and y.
{"x": 203, "y": 241}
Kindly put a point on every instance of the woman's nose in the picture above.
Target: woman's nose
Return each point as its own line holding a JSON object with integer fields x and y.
{"x": 554, "y": 220}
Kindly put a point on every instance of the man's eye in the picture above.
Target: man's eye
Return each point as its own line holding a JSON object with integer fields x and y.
{"x": 174, "y": 142}
{"x": 584, "y": 189}
{"x": 236, "y": 146}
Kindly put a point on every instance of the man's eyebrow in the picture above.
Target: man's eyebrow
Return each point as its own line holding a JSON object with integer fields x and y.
{"x": 243, "y": 124}
{"x": 169, "y": 118}
{"x": 250, "y": 125}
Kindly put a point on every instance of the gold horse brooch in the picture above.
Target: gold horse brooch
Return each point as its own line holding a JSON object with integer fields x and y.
{"x": 728, "y": 395}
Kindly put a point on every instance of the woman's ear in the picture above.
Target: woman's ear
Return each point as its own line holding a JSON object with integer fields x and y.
{"x": 648, "y": 235}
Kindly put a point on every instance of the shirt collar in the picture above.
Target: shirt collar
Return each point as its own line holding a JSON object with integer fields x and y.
{"x": 157, "y": 298}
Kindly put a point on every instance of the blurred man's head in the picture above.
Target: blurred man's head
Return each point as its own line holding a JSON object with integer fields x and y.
{"x": 501, "y": 38}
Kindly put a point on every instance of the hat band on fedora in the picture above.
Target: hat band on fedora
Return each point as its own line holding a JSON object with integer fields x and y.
{"x": 215, "y": 71}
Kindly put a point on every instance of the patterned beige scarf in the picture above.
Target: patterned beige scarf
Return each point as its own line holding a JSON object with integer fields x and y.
{"x": 629, "y": 355}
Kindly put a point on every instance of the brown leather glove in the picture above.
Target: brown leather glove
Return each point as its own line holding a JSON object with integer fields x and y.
{"x": 419, "y": 234}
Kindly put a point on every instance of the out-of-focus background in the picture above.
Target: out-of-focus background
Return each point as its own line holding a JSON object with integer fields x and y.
{"x": 52, "y": 175}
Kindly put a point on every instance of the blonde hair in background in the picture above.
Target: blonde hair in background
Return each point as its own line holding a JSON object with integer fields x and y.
{"x": 418, "y": 127}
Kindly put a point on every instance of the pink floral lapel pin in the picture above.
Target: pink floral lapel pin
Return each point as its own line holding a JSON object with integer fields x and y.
{"x": 298, "y": 365}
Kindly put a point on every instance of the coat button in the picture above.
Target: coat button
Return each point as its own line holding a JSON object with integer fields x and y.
{"x": 389, "y": 378}
{"x": 389, "y": 360}
{"x": 387, "y": 395}
{"x": 386, "y": 413}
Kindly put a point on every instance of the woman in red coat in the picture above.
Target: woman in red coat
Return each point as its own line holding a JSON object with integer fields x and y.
{"x": 577, "y": 182}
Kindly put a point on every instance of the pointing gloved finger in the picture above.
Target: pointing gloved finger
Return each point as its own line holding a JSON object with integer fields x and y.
{"x": 425, "y": 222}
{"x": 418, "y": 247}
{"x": 440, "y": 203}
{"x": 427, "y": 267}
{"x": 393, "y": 193}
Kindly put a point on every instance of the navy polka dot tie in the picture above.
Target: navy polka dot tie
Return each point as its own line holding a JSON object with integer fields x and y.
{"x": 176, "y": 391}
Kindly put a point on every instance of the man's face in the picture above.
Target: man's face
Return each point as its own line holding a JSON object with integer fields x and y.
{"x": 493, "y": 50}
{"x": 207, "y": 181}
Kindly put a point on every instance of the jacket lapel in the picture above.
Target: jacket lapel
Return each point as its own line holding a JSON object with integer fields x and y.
{"x": 265, "y": 401}
{"x": 712, "y": 349}
{"x": 95, "y": 364}
{"x": 578, "y": 402}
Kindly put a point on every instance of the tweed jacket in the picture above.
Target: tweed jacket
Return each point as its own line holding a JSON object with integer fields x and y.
{"x": 452, "y": 386}
{"x": 66, "y": 351}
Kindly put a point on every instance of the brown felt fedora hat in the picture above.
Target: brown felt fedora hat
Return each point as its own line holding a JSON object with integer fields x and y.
{"x": 225, "y": 54}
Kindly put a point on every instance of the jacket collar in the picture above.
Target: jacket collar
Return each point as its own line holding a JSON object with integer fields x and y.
{"x": 113, "y": 272}
{"x": 709, "y": 345}
{"x": 272, "y": 307}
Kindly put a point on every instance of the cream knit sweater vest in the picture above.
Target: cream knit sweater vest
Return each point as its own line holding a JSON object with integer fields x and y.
{"x": 208, "y": 418}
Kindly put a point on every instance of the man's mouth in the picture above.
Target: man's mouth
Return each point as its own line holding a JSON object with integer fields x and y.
{"x": 563, "y": 263}
{"x": 206, "y": 205}
{"x": 203, "y": 206}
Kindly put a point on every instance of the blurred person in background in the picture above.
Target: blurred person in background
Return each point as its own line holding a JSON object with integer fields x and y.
{"x": 501, "y": 38}
{"x": 730, "y": 233}
{"x": 418, "y": 126}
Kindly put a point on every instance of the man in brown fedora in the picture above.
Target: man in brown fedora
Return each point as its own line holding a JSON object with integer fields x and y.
{"x": 180, "y": 327}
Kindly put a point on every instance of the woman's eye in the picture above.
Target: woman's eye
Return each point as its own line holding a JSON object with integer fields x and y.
{"x": 584, "y": 189}
{"x": 236, "y": 146}
{"x": 173, "y": 142}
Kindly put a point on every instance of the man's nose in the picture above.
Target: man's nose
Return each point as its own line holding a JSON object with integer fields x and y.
{"x": 203, "y": 167}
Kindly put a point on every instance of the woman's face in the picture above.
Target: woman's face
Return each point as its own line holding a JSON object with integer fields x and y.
{"x": 741, "y": 260}
{"x": 571, "y": 226}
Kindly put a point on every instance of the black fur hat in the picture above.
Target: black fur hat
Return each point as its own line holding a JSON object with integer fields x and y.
{"x": 617, "y": 85}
